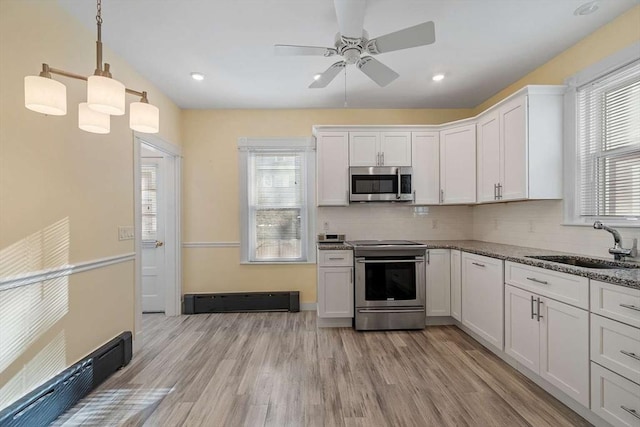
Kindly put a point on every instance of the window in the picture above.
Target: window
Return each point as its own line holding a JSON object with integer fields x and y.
{"x": 148, "y": 176}
{"x": 606, "y": 155}
{"x": 276, "y": 198}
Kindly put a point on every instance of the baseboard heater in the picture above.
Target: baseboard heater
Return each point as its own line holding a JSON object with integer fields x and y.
{"x": 241, "y": 302}
{"x": 46, "y": 403}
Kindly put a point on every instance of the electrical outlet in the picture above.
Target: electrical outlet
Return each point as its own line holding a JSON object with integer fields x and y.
{"x": 325, "y": 226}
{"x": 125, "y": 232}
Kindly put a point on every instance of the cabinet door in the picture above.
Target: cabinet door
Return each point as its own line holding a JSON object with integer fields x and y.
{"x": 335, "y": 292}
{"x": 425, "y": 158}
{"x": 458, "y": 164}
{"x": 513, "y": 120}
{"x": 332, "y": 170}
{"x": 489, "y": 157}
{"x": 364, "y": 148}
{"x": 438, "y": 282}
{"x": 456, "y": 285}
{"x": 521, "y": 327}
{"x": 564, "y": 348}
{"x": 483, "y": 297}
{"x": 395, "y": 148}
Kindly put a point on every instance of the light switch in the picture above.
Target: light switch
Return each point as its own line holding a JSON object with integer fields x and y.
{"x": 125, "y": 232}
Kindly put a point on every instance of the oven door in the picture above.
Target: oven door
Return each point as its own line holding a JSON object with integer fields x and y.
{"x": 390, "y": 281}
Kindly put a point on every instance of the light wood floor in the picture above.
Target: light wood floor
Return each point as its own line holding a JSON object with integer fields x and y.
{"x": 278, "y": 369}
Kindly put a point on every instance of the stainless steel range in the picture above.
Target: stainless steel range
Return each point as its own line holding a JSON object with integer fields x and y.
{"x": 390, "y": 284}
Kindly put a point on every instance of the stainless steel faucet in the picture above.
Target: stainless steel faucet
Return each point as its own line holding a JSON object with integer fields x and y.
{"x": 617, "y": 250}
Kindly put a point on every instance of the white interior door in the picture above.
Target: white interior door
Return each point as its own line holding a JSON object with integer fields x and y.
{"x": 153, "y": 234}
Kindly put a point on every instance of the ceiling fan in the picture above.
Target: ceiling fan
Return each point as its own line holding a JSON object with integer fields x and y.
{"x": 352, "y": 43}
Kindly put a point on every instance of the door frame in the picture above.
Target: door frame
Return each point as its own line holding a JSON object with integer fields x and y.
{"x": 173, "y": 233}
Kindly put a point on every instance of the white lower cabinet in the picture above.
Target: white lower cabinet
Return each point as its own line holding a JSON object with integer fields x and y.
{"x": 438, "y": 274}
{"x": 456, "y": 285}
{"x": 335, "y": 284}
{"x": 483, "y": 297}
{"x": 614, "y": 398}
{"x": 550, "y": 338}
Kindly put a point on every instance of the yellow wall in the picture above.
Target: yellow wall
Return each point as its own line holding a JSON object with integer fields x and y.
{"x": 210, "y": 197}
{"x": 63, "y": 193}
{"x": 608, "y": 39}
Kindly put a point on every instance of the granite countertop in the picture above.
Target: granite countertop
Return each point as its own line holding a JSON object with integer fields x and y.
{"x": 629, "y": 277}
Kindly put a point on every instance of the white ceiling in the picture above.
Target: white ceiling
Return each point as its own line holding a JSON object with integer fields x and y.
{"x": 481, "y": 46}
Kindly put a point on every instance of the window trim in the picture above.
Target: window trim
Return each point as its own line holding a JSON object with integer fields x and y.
{"x": 302, "y": 144}
{"x": 593, "y": 72}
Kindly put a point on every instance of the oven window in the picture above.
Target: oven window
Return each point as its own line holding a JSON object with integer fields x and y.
{"x": 374, "y": 184}
{"x": 390, "y": 281}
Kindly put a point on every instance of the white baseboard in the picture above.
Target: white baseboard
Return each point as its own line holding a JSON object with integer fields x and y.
{"x": 308, "y": 306}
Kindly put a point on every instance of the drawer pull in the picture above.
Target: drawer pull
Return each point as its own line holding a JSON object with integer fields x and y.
{"x": 631, "y": 307}
{"x": 632, "y": 355}
{"x": 478, "y": 264}
{"x": 631, "y": 411}
{"x": 335, "y": 259}
{"x": 533, "y": 279}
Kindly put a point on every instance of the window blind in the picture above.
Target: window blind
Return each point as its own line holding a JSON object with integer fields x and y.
{"x": 148, "y": 177}
{"x": 608, "y": 129}
{"x": 277, "y": 205}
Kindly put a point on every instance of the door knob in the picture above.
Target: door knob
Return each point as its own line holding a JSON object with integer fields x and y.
{"x": 159, "y": 243}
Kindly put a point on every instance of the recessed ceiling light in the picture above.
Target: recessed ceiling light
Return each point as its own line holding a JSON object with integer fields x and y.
{"x": 586, "y": 9}
{"x": 437, "y": 77}
{"x": 317, "y": 76}
{"x": 197, "y": 76}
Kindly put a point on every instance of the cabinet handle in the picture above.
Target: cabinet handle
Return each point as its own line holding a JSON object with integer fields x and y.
{"x": 533, "y": 279}
{"x": 334, "y": 259}
{"x": 478, "y": 264}
{"x": 495, "y": 191}
{"x": 382, "y": 164}
{"x": 631, "y": 307}
{"x": 538, "y": 310}
{"x": 351, "y": 275}
{"x": 428, "y": 257}
{"x": 441, "y": 196}
{"x": 631, "y": 411}
{"x": 499, "y": 191}
{"x": 630, "y": 354}
{"x": 533, "y": 300}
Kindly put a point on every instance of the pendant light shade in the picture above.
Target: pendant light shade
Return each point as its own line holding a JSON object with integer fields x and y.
{"x": 144, "y": 117}
{"x": 93, "y": 121}
{"x": 45, "y": 95}
{"x": 105, "y": 95}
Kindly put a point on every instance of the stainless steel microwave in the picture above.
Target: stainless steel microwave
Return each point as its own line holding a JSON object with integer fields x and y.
{"x": 380, "y": 184}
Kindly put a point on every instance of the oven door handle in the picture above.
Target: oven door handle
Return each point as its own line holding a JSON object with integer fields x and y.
{"x": 391, "y": 261}
{"x": 386, "y": 310}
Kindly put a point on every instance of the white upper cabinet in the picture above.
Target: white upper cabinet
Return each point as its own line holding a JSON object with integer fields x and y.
{"x": 380, "y": 148}
{"x": 425, "y": 156}
{"x": 332, "y": 168}
{"x": 520, "y": 147}
{"x": 458, "y": 165}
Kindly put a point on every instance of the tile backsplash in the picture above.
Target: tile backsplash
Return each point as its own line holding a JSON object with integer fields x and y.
{"x": 538, "y": 224}
{"x": 394, "y": 221}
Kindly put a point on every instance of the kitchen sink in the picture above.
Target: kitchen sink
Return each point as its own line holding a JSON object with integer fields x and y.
{"x": 584, "y": 262}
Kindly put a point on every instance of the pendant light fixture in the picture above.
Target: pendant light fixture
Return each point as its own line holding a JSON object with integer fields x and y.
{"x": 105, "y": 96}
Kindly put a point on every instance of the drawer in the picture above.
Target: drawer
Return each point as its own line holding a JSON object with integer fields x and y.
{"x": 335, "y": 258}
{"x": 616, "y": 302}
{"x": 615, "y": 399}
{"x": 616, "y": 346}
{"x": 563, "y": 287}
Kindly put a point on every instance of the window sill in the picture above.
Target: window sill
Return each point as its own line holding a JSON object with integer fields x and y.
{"x": 617, "y": 224}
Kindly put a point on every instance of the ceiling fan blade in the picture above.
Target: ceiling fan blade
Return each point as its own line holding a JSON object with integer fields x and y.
{"x": 350, "y": 15}
{"x": 293, "y": 50}
{"x": 377, "y": 71}
{"x": 418, "y": 35}
{"x": 326, "y": 77}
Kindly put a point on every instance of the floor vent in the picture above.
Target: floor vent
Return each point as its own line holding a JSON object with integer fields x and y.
{"x": 46, "y": 403}
{"x": 241, "y": 302}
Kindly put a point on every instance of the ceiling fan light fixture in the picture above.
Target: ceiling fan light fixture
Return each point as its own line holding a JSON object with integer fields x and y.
{"x": 197, "y": 76}
{"x": 586, "y": 9}
{"x": 437, "y": 77}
